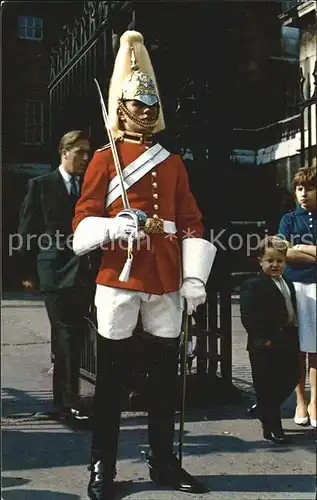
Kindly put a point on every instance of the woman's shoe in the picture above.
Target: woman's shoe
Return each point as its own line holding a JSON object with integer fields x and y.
{"x": 300, "y": 420}
{"x": 313, "y": 422}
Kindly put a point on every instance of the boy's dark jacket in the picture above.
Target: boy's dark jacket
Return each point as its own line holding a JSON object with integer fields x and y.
{"x": 264, "y": 314}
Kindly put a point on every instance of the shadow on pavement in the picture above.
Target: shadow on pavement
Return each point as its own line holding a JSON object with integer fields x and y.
{"x": 12, "y": 482}
{"x": 54, "y": 448}
{"x": 69, "y": 446}
{"x": 218, "y": 483}
{"x": 18, "y": 306}
{"x": 261, "y": 483}
{"x": 228, "y": 443}
{"x": 37, "y": 495}
{"x": 283, "y": 483}
{"x": 63, "y": 447}
{"x": 16, "y": 300}
{"x": 16, "y": 402}
{"x": 127, "y": 488}
{"x": 22, "y": 296}
{"x": 229, "y": 483}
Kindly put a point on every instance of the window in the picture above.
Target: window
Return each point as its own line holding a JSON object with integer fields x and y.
{"x": 30, "y": 28}
{"x": 290, "y": 43}
{"x": 292, "y": 97}
{"x": 288, "y": 4}
{"x": 33, "y": 122}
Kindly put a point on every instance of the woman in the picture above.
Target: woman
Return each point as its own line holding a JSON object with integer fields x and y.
{"x": 299, "y": 228}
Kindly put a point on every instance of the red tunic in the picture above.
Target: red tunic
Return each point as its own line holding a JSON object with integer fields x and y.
{"x": 156, "y": 266}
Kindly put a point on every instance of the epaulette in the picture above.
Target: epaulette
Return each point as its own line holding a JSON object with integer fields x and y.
{"x": 107, "y": 146}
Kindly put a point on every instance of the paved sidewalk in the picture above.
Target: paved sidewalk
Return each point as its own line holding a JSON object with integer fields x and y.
{"x": 44, "y": 460}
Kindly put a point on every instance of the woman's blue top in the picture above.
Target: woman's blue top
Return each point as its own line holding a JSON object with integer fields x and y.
{"x": 299, "y": 227}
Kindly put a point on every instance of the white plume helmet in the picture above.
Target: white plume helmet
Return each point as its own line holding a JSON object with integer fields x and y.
{"x": 132, "y": 55}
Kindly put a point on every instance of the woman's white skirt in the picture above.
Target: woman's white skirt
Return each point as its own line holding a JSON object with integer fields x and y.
{"x": 306, "y": 315}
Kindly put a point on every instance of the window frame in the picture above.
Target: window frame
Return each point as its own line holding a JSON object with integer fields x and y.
{"x": 25, "y": 26}
{"x": 32, "y": 125}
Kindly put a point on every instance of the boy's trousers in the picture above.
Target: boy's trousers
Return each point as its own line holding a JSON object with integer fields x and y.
{"x": 275, "y": 373}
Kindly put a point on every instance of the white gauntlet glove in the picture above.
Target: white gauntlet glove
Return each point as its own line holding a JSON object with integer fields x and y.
{"x": 120, "y": 228}
{"x": 193, "y": 290}
{"x": 93, "y": 232}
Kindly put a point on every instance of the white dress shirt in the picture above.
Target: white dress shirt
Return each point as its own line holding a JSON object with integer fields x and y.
{"x": 277, "y": 282}
{"x": 67, "y": 178}
{"x": 284, "y": 289}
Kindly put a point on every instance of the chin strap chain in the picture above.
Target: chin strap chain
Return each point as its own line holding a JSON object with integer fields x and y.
{"x": 147, "y": 124}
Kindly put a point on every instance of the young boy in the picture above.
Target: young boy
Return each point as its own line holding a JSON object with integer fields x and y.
{"x": 268, "y": 313}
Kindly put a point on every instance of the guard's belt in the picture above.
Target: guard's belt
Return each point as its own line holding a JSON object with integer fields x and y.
{"x": 157, "y": 226}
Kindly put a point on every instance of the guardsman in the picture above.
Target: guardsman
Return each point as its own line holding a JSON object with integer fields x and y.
{"x": 148, "y": 223}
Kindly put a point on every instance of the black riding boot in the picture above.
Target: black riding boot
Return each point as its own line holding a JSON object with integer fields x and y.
{"x": 101, "y": 485}
{"x": 164, "y": 467}
{"x": 170, "y": 473}
{"x": 162, "y": 357}
{"x": 113, "y": 368}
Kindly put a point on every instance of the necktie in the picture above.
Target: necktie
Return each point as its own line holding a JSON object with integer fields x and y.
{"x": 73, "y": 191}
{"x": 73, "y": 186}
{"x": 288, "y": 301}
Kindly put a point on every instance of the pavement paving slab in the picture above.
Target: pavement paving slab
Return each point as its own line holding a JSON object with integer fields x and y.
{"x": 45, "y": 460}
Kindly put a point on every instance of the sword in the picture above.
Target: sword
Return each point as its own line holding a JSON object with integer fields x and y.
{"x": 116, "y": 160}
{"x": 183, "y": 363}
{"x": 138, "y": 216}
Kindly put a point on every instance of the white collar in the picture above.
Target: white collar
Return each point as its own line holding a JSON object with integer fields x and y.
{"x": 66, "y": 176}
{"x": 277, "y": 279}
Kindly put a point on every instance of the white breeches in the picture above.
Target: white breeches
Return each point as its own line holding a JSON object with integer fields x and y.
{"x": 118, "y": 310}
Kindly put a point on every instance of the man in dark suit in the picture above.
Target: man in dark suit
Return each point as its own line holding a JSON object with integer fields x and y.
{"x": 49, "y": 265}
{"x": 268, "y": 313}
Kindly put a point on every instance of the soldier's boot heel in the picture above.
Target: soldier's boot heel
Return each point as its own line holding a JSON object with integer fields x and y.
{"x": 101, "y": 485}
{"x": 170, "y": 473}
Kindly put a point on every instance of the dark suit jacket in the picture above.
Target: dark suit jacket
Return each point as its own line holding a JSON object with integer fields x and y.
{"x": 264, "y": 314}
{"x": 46, "y": 228}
